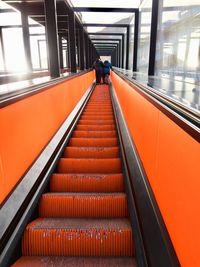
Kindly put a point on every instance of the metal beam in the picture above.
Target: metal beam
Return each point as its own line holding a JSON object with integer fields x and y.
{"x": 105, "y": 44}
{"x": 26, "y": 40}
{"x": 61, "y": 52}
{"x": 86, "y": 51}
{"x": 105, "y": 25}
{"x": 104, "y": 39}
{"x": 3, "y": 49}
{"x": 127, "y": 46}
{"x": 154, "y": 24}
{"x": 72, "y": 40}
{"x": 135, "y": 47}
{"x": 104, "y": 9}
{"x": 82, "y": 49}
{"x": 52, "y": 37}
{"x": 105, "y": 33}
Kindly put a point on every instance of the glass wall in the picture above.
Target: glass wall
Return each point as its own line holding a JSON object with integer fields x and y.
{"x": 13, "y": 60}
{"x": 144, "y": 35}
{"x": 178, "y": 40}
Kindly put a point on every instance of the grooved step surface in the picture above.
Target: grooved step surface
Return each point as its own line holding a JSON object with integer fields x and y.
{"x": 83, "y": 205}
{"x": 98, "y": 113}
{"x": 90, "y": 117}
{"x": 94, "y": 142}
{"x": 87, "y": 183}
{"x": 94, "y": 122}
{"x": 75, "y": 262}
{"x": 67, "y": 165}
{"x": 94, "y": 134}
{"x": 78, "y": 237}
{"x": 95, "y": 127}
{"x": 91, "y": 152}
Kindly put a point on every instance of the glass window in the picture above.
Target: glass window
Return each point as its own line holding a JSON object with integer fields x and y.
{"x": 35, "y": 30}
{"x": 14, "y": 49}
{"x": 38, "y": 52}
{"x": 178, "y": 40}
{"x": 144, "y": 35}
{"x": 10, "y": 18}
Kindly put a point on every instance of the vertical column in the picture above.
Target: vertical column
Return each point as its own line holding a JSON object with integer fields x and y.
{"x": 82, "y": 48}
{"x": 89, "y": 52}
{"x": 78, "y": 46}
{"x": 39, "y": 53}
{"x": 52, "y": 37}
{"x": 122, "y": 51}
{"x": 154, "y": 24}
{"x": 61, "y": 52}
{"x": 67, "y": 52}
{"x": 135, "y": 47}
{"x": 86, "y": 52}
{"x": 72, "y": 40}
{"x": 127, "y": 45}
{"x": 3, "y": 50}
{"x": 120, "y": 54}
{"x": 26, "y": 40}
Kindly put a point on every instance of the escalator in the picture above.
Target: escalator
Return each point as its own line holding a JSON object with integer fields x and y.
{"x": 84, "y": 219}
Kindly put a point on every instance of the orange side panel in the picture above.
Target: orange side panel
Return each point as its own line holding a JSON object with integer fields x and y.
{"x": 29, "y": 124}
{"x": 171, "y": 159}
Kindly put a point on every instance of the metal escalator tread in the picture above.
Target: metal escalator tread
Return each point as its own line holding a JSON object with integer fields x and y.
{"x": 47, "y": 261}
{"x": 83, "y": 219}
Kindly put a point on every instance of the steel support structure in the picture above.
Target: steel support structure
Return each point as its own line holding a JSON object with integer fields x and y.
{"x": 72, "y": 40}
{"x": 26, "y": 40}
{"x": 135, "y": 47}
{"x": 52, "y": 37}
{"x": 81, "y": 48}
{"x": 154, "y": 24}
{"x": 3, "y": 50}
{"x": 61, "y": 52}
{"x": 127, "y": 45}
{"x": 86, "y": 51}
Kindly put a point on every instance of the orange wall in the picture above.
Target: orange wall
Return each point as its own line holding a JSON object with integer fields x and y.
{"x": 28, "y": 125}
{"x": 171, "y": 158}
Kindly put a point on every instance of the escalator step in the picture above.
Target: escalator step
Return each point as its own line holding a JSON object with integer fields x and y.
{"x": 95, "y": 127}
{"x": 93, "y": 122}
{"x": 93, "y": 142}
{"x": 98, "y": 113}
{"x": 67, "y": 165}
{"x": 93, "y": 134}
{"x": 106, "y": 205}
{"x": 35, "y": 261}
{"x": 78, "y": 237}
{"x": 91, "y": 152}
{"x": 100, "y": 117}
{"x": 87, "y": 183}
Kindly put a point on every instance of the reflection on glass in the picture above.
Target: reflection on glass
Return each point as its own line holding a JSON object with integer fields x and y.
{"x": 144, "y": 35}
{"x": 178, "y": 40}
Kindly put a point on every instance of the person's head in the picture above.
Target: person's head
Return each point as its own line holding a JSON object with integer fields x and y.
{"x": 106, "y": 61}
{"x": 98, "y": 58}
